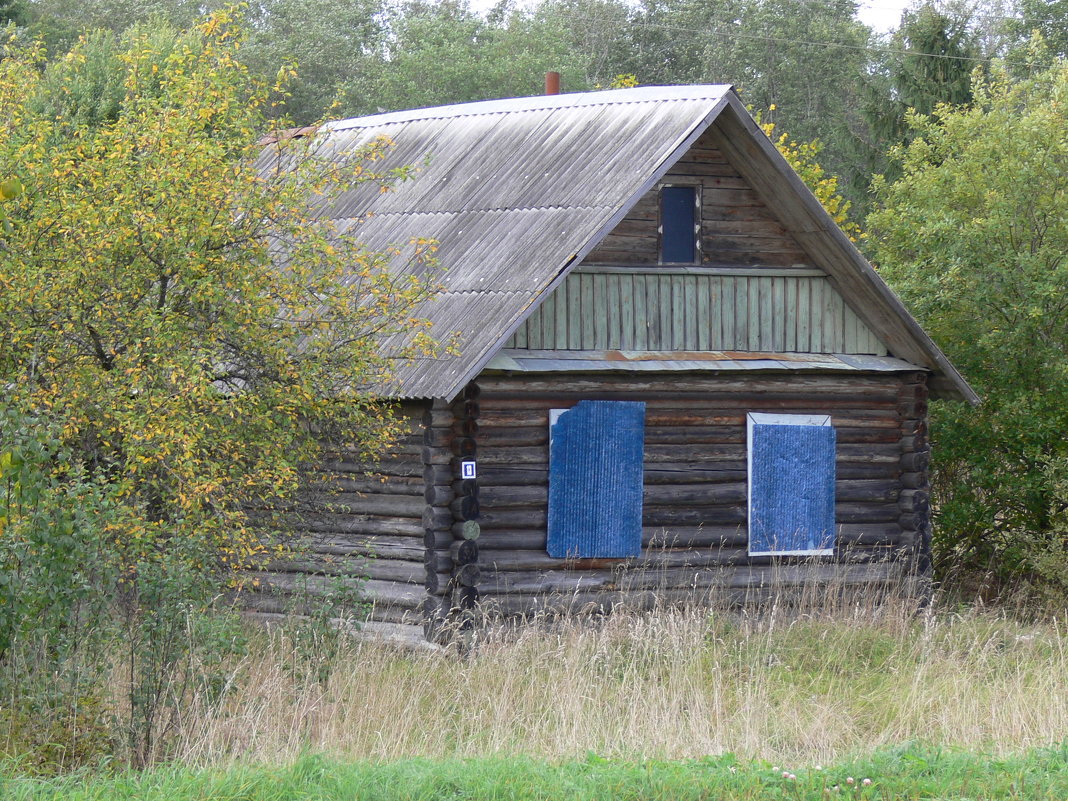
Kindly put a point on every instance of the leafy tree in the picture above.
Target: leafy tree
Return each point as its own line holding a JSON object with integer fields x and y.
{"x": 1049, "y": 18}
{"x": 929, "y": 61}
{"x": 439, "y": 53}
{"x": 147, "y": 328}
{"x": 974, "y": 237}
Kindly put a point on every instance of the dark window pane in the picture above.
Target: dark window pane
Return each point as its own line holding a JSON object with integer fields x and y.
{"x": 678, "y": 238}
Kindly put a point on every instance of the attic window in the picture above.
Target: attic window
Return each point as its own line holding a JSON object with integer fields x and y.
{"x": 680, "y": 224}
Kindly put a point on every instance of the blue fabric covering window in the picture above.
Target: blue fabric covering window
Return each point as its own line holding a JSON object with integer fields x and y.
{"x": 595, "y": 480}
{"x": 678, "y": 224}
{"x": 791, "y": 485}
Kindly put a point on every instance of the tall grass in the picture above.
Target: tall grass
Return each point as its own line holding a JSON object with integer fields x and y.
{"x": 788, "y": 687}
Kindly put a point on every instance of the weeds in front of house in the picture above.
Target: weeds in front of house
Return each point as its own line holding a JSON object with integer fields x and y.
{"x": 785, "y": 686}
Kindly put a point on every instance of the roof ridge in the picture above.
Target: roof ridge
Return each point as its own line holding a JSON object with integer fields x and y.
{"x": 605, "y": 97}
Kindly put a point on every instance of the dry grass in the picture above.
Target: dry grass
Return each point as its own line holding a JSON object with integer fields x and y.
{"x": 789, "y": 687}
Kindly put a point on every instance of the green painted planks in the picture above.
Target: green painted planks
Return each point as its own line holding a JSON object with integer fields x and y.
{"x": 651, "y": 310}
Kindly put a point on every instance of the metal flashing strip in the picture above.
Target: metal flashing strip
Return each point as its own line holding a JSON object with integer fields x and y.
{"x": 528, "y": 361}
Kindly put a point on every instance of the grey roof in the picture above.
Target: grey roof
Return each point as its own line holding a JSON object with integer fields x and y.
{"x": 517, "y": 191}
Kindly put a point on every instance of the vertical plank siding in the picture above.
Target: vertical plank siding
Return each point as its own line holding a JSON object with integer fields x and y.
{"x": 364, "y": 530}
{"x": 663, "y": 311}
{"x": 694, "y": 505}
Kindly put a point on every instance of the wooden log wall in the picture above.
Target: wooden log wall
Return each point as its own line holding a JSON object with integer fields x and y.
{"x": 363, "y": 529}
{"x": 737, "y": 228}
{"x": 694, "y": 518}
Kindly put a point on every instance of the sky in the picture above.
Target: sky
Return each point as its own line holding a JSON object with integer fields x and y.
{"x": 882, "y": 15}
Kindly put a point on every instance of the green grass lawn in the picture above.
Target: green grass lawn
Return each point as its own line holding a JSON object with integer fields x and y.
{"x": 903, "y": 773}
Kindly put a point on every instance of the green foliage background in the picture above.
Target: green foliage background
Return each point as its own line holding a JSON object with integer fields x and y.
{"x": 975, "y": 235}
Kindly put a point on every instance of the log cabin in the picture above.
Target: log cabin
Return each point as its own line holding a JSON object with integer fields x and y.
{"x": 675, "y": 373}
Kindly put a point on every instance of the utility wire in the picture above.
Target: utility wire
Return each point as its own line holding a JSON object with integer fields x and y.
{"x": 727, "y": 34}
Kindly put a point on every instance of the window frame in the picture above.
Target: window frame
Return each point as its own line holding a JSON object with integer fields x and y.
{"x": 679, "y": 183}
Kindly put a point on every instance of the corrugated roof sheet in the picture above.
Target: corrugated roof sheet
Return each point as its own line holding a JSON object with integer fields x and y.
{"x": 512, "y": 190}
{"x": 517, "y": 191}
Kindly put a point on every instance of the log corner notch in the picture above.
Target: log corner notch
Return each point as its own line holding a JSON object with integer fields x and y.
{"x": 915, "y": 498}
{"x": 437, "y": 516}
{"x": 452, "y": 514}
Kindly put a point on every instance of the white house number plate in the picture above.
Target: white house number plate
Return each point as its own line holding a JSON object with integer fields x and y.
{"x": 468, "y": 469}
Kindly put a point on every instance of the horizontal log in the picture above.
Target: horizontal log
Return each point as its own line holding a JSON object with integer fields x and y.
{"x": 438, "y": 474}
{"x": 438, "y": 437}
{"x": 400, "y": 467}
{"x": 914, "y": 442}
{"x": 437, "y": 518}
{"x": 728, "y": 574}
{"x": 370, "y": 504}
{"x": 467, "y": 427}
{"x": 467, "y": 488}
{"x": 283, "y": 608}
{"x": 914, "y": 480}
{"x": 468, "y": 530}
{"x": 464, "y": 552}
{"x": 438, "y": 495}
{"x": 690, "y": 537}
{"x": 438, "y": 418}
{"x": 645, "y": 592}
{"x": 653, "y": 560}
{"x": 437, "y": 561}
{"x": 467, "y": 575}
{"x": 382, "y": 547}
{"x": 704, "y": 494}
{"x": 680, "y": 414}
{"x": 437, "y": 538}
{"x": 915, "y": 521}
{"x": 437, "y": 583}
{"x": 687, "y": 434}
{"x": 674, "y": 473}
{"x": 315, "y": 564}
{"x": 719, "y": 456}
{"x": 362, "y": 524}
{"x": 385, "y": 593}
{"x": 436, "y": 455}
{"x": 535, "y": 517}
{"x": 468, "y": 508}
{"x": 915, "y": 462}
{"x": 376, "y": 484}
{"x": 914, "y": 500}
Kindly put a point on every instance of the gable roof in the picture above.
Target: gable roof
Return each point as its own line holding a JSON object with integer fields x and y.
{"x": 517, "y": 191}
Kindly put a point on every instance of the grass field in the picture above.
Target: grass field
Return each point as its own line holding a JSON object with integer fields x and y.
{"x": 899, "y": 774}
{"x": 667, "y": 685}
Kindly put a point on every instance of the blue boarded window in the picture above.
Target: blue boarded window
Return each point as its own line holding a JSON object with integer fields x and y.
{"x": 791, "y": 484}
{"x": 678, "y": 224}
{"x": 595, "y": 480}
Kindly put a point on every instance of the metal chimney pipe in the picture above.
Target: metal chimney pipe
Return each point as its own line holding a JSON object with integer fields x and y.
{"x": 552, "y": 83}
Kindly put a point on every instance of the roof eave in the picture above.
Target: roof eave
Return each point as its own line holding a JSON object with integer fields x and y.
{"x": 819, "y": 235}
